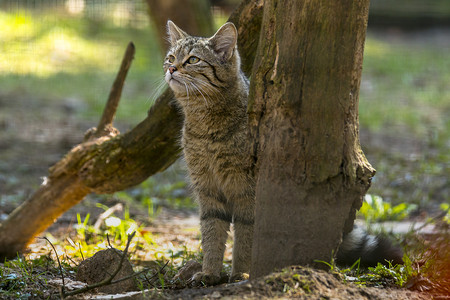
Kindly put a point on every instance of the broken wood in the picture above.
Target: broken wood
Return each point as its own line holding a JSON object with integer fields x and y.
{"x": 111, "y": 161}
{"x": 105, "y": 125}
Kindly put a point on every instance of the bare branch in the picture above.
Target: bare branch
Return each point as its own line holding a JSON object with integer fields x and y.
{"x": 106, "y": 214}
{"x": 105, "y": 125}
{"x": 141, "y": 272}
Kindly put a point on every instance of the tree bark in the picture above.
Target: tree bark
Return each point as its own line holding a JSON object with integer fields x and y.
{"x": 113, "y": 162}
{"x": 303, "y": 112}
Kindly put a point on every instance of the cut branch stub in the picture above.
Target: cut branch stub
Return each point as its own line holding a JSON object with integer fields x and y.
{"x": 105, "y": 126}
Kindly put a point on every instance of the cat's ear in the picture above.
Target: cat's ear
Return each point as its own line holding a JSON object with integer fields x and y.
{"x": 224, "y": 40}
{"x": 174, "y": 33}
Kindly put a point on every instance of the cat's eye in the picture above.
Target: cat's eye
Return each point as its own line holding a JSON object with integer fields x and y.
{"x": 193, "y": 60}
{"x": 171, "y": 58}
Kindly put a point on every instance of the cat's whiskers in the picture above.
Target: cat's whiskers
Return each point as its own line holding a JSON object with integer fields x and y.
{"x": 192, "y": 82}
{"x": 160, "y": 85}
{"x": 187, "y": 91}
{"x": 210, "y": 89}
{"x": 211, "y": 95}
{"x": 206, "y": 88}
{"x": 199, "y": 90}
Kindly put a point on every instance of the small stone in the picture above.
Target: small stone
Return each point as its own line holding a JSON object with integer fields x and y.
{"x": 187, "y": 271}
{"x": 101, "y": 266}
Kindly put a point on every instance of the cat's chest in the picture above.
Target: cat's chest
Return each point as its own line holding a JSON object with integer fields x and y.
{"x": 212, "y": 151}
{"x": 204, "y": 148}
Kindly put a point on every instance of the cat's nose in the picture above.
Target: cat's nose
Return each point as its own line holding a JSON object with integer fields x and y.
{"x": 172, "y": 69}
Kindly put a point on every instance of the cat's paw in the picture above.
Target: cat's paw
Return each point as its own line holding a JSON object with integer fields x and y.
{"x": 204, "y": 279}
{"x": 239, "y": 277}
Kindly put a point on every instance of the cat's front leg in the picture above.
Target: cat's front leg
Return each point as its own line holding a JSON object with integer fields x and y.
{"x": 243, "y": 222}
{"x": 214, "y": 224}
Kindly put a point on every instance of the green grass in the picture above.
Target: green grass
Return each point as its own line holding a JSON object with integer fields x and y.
{"x": 405, "y": 85}
{"x": 374, "y": 209}
{"x": 405, "y": 107}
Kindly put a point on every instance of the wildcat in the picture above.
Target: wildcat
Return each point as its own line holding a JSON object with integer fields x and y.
{"x": 209, "y": 86}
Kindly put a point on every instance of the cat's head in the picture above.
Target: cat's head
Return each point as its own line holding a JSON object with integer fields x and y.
{"x": 201, "y": 66}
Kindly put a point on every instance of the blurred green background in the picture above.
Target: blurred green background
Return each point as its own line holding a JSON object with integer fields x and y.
{"x": 58, "y": 59}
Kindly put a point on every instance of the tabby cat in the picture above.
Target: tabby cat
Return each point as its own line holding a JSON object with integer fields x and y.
{"x": 209, "y": 86}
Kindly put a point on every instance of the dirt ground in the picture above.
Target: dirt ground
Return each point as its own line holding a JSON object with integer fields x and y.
{"x": 177, "y": 229}
{"x": 294, "y": 283}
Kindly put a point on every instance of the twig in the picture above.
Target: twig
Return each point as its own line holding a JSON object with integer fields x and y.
{"x": 148, "y": 280}
{"x": 111, "y": 246}
{"x": 106, "y": 281}
{"x": 151, "y": 280}
{"x": 59, "y": 264}
{"x": 71, "y": 260}
{"x": 140, "y": 272}
{"x": 116, "y": 91}
{"x": 106, "y": 214}
{"x": 109, "y": 242}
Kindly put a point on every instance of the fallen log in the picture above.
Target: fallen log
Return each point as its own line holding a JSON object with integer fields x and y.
{"x": 107, "y": 161}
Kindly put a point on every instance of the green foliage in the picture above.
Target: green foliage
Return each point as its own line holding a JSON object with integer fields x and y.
{"x": 381, "y": 275}
{"x": 374, "y": 209}
{"x": 331, "y": 265}
{"x": 119, "y": 229}
{"x": 82, "y": 226}
{"x": 353, "y": 269}
{"x": 445, "y": 207}
{"x": 398, "y": 273}
{"x": 114, "y": 231}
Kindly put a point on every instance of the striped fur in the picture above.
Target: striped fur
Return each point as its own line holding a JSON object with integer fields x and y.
{"x": 212, "y": 91}
{"x": 370, "y": 249}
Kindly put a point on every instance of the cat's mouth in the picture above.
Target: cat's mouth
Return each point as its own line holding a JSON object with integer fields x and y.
{"x": 176, "y": 85}
{"x": 170, "y": 79}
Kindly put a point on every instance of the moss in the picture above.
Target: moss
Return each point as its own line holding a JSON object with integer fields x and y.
{"x": 289, "y": 282}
